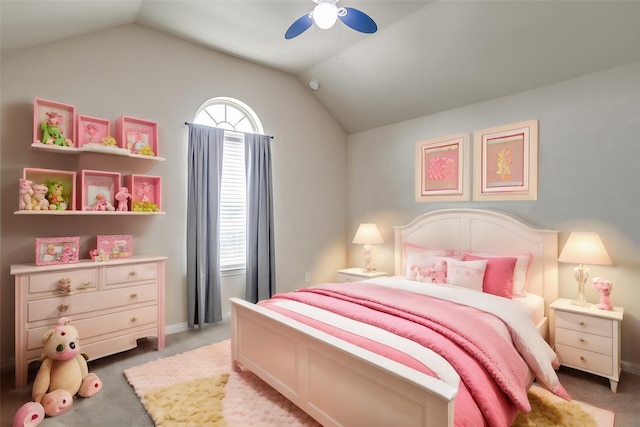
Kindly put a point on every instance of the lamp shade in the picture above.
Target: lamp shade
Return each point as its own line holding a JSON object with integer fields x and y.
{"x": 584, "y": 248}
{"x": 367, "y": 234}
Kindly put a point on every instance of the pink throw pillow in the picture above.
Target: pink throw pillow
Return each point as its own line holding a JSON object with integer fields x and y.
{"x": 498, "y": 277}
{"x": 520, "y": 272}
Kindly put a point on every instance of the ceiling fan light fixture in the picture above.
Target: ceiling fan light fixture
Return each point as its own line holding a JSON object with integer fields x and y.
{"x": 325, "y": 14}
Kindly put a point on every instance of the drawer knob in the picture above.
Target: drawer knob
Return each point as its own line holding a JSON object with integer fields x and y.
{"x": 134, "y": 295}
{"x": 64, "y": 285}
{"x": 85, "y": 285}
{"x": 581, "y": 323}
{"x": 583, "y": 359}
{"x": 134, "y": 320}
{"x": 63, "y": 307}
{"x": 132, "y": 273}
{"x": 582, "y": 340}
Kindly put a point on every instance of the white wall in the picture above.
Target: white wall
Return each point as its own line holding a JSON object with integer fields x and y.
{"x": 138, "y": 72}
{"x": 589, "y": 172}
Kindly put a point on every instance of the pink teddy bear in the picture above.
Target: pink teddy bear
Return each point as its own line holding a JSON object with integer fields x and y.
{"x": 604, "y": 287}
{"x": 439, "y": 271}
{"x": 122, "y": 197}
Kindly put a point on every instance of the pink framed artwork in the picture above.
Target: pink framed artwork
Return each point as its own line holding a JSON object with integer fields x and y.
{"x": 98, "y": 190}
{"x": 442, "y": 169}
{"x": 91, "y": 130}
{"x": 57, "y": 250}
{"x": 506, "y": 162}
{"x": 116, "y": 246}
{"x": 139, "y": 136}
{"x": 54, "y": 124}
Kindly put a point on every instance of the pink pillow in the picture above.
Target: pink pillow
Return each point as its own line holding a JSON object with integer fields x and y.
{"x": 418, "y": 259}
{"x": 498, "y": 277}
{"x": 520, "y": 272}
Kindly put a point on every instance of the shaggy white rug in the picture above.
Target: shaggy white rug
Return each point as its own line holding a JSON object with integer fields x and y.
{"x": 199, "y": 388}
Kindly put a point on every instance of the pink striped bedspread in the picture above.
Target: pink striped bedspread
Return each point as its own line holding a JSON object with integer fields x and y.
{"x": 494, "y": 376}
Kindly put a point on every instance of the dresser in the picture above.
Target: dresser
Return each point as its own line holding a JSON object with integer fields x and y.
{"x": 112, "y": 304}
{"x": 588, "y": 339}
{"x": 358, "y": 274}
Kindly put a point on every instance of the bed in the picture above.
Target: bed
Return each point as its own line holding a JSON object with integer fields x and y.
{"x": 340, "y": 383}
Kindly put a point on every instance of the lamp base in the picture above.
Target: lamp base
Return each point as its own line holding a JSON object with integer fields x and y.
{"x": 580, "y": 303}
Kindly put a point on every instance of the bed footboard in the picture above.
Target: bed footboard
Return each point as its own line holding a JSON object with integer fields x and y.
{"x": 335, "y": 382}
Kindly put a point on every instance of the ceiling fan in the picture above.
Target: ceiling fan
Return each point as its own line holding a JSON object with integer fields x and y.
{"x": 326, "y": 13}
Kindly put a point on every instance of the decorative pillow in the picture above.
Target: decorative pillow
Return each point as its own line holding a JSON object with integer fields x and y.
{"x": 498, "y": 278}
{"x": 468, "y": 274}
{"x": 520, "y": 271}
{"x": 417, "y": 259}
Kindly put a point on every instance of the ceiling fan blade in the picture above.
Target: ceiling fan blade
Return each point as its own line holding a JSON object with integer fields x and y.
{"x": 301, "y": 25}
{"x": 358, "y": 20}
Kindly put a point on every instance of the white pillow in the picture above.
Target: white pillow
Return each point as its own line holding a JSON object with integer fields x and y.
{"x": 468, "y": 274}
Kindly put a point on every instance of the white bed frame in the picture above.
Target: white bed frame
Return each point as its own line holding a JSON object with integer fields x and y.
{"x": 340, "y": 384}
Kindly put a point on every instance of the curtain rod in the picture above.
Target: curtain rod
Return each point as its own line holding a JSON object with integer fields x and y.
{"x": 237, "y": 131}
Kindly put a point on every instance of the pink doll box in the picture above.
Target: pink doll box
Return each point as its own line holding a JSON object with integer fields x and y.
{"x": 61, "y": 183}
{"x": 146, "y": 192}
{"x": 91, "y": 130}
{"x": 65, "y": 113}
{"x": 98, "y": 190}
{"x": 137, "y": 135}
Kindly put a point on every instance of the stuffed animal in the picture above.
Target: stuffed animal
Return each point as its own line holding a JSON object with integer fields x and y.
{"x": 439, "y": 271}
{"x": 39, "y": 199}
{"x": 26, "y": 191}
{"x": 604, "y": 287}
{"x": 56, "y": 199}
{"x": 123, "y": 197}
{"x": 101, "y": 203}
{"x": 52, "y": 131}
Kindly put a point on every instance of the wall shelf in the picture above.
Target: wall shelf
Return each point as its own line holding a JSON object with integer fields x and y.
{"x": 86, "y": 213}
{"x": 92, "y": 148}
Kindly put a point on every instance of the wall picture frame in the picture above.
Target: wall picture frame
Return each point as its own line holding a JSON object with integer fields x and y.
{"x": 57, "y": 250}
{"x": 116, "y": 245}
{"x": 442, "y": 169}
{"x": 505, "y": 165}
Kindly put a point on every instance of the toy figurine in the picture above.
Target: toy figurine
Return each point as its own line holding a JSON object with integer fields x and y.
{"x": 604, "y": 287}
{"x": 52, "y": 131}
{"x": 101, "y": 203}
{"x": 56, "y": 200}
{"x": 123, "y": 197}
{"x": 91, "y": 133}
{"x": 26, "y": 192}
{"x": 39, "y": 200}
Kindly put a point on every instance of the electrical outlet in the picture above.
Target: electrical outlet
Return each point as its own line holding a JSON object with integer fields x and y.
{"x": 307, "y": 277}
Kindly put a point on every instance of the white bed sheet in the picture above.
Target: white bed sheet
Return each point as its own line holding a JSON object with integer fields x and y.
{"x": 534, "y": 305}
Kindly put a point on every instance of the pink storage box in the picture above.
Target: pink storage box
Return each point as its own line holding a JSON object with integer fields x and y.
{"x": 65, "y": 180}
{"x": 137, "y": 135}
{"x": 91, "y": 130}
{"x": 66, "y": 111}
{"x": 98, "y": 190}
{"x": 146, "y": 192}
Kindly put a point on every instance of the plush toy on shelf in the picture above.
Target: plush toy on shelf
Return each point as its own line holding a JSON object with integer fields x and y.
{"x": 52, "y": 131}
{"x": 39, "y": 200}
{"x": 123, "y": 197}
{"x": 57, "y": 201}
{"x": 62, "y": 375}
{"x": 26, "y": 192}
{"x": 604, "y": 287}
{"x": 101, "y": 203}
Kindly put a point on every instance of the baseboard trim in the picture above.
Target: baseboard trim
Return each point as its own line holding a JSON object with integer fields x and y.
{"x": 631, "y": 368}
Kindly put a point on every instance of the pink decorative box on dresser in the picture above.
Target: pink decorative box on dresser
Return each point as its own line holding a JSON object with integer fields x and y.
{"x": 111, "y": 303}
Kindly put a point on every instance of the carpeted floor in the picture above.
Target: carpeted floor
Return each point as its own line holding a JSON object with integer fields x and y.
{"x": 198, "y": 387}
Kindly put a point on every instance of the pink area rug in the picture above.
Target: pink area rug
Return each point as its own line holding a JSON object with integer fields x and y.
{"x": 199, "y": 387}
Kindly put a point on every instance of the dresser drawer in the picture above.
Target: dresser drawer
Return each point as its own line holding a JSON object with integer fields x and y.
{"x": 585, "y": 360}
{"x": 46, "y": 284}
{"x": 343, "y": 277}
{"x": 91, "y": 328}
{"x": 126, "y": 274}
{"x": 590, "y": 342}
{"x": 582, "y": 323}
{"x": 54, "y": 308}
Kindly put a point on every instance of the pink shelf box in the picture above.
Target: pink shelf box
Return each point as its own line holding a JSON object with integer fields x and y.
{"x": 91, "y": 130}
{"x": 146, "y": 192}
{"x": 61, "y": 118}
{"x": 139, "y": 136}
{"x": 57, "y": 186}
{"x": 98, "y": 190}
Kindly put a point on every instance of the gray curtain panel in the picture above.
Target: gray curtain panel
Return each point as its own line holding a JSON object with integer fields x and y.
{"x": 261, "y": 270}
{"x": 203, "y": 261}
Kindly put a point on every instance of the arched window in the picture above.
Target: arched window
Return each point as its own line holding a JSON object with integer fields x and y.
{"x": 236, "y": 118}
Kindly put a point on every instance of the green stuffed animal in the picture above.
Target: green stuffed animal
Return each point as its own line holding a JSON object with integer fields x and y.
{"x": 57, "y": 201}
{"x": 52, "y": 132}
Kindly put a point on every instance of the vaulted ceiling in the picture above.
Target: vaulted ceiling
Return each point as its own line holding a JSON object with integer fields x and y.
{"x": 427, "y": 56}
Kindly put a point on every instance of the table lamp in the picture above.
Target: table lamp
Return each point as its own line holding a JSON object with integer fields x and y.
{"x": 367, "y": 235}
{"x": 584, "y": 248}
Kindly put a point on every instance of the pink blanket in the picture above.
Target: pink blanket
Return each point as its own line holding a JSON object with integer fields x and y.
{"x": 494, "y": 377}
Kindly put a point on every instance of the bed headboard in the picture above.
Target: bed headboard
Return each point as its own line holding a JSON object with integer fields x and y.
{"x": 486, "y": 231}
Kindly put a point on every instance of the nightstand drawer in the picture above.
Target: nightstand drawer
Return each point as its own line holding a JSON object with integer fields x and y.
{"x": 590, "y": 342}
{"x": 585, "y": 360}
{"x": 586, "y": 324}
{"x": 342, "y": 277}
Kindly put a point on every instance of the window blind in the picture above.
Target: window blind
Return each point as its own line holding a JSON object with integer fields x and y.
{"x": 233, "y": 204}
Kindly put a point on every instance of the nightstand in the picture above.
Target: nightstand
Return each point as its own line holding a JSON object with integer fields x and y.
{"x": 358, "y": 274}
{"x": 588, "y": 339}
